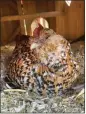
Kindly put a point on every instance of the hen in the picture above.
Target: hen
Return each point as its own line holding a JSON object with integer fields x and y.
{"x": 44, "y": 65}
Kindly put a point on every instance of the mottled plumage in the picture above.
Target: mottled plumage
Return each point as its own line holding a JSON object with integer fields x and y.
{"x": 45, "y": 65}
{"x": 55, "y": 52}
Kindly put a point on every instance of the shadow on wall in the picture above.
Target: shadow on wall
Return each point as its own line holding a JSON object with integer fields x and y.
{"x": 40, "y": 20}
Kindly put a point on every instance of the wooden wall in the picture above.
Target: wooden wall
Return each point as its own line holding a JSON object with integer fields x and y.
{"x": 46, "y": 6}
{"x": 7, "y": 8}
{"x": 29, "y": 8}
{"x": 70, "y": 25}
{"x": 76, "y": 19}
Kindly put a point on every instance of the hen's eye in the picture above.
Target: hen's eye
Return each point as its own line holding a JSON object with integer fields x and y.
{"x": 47, "y": 37}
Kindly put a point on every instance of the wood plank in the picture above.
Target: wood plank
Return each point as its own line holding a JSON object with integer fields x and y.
{"x": 21, "y": 13}
{"x": 60, "y": 21}
{"x": 12, "y": 36}
{"x": 29, "y": 8}
{"x": 16, "y": 32}
{"x": 32, "y": 16}
{"x": 52, "y": 20}
{"x": 7, "y": 27}
{"x": 12, "y": 5}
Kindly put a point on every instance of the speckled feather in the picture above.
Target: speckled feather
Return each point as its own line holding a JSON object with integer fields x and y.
{"x": 46, "y": 69}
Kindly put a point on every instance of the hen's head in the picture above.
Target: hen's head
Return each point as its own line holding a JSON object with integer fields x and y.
{"x": 43, "y": 35}
{"x": 41, "y": 32}
{"x": 38, "y": 27}
{"x": 46, "y": 32}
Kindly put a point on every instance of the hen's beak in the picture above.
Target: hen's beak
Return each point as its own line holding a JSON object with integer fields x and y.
{"x": 33, "y": 46}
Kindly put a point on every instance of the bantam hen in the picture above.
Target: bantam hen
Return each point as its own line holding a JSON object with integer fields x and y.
{"x": 43, "y": 64}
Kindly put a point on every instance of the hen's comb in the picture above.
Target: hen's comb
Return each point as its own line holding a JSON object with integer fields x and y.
{"x": 37, "y": 30}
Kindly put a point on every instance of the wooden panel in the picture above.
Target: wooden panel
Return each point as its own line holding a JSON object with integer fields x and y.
{"x": 29, "y": 8}
{"x": 76, "y": 19}
{"x": 60, "y": 20}
{"x": 41, "y": 6}
{"x": 31, "y": 16}
{"x": 47, "y": 6}
{"x": 52, "y": 20}
{"x": 8, "y": 7}
{"x": 7, "y": 28}
{"x": 20, "y": 12}
{"x": 71, "y": 26}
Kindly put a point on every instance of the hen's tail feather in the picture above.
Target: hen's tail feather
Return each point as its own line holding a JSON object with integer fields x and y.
{"x": 13, "y": 85}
